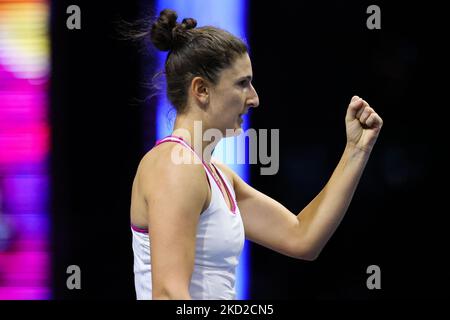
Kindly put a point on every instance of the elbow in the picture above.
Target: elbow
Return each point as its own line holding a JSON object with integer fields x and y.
{"x": 170, "y": 296}
{"x": 308, "y": 256}
{"x": 166, "y": 293}
{"x": 306, "y": 252}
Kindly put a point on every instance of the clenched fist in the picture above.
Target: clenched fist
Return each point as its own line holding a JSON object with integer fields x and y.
{"x": 362, "y": 124}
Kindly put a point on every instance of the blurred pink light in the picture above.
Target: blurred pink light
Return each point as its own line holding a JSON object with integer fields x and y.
{"x": 24, "y": 143}
{"x": 24, "y": 149}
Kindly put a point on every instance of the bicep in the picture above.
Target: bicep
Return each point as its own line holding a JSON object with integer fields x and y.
{"x": 267, "y": 222}
{"x": 173, "y": 209}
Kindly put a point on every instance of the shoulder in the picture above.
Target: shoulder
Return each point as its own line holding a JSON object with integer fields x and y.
{"x": 170, "y": 167}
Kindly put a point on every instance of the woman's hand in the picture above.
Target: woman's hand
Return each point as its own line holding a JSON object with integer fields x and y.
{"x": 362, "y": 125}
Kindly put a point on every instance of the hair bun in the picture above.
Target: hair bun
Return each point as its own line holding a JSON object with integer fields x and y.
{"x": 166, "y": 33}
{"x": 188, "y": 23}
{"x": 161, "y": 31}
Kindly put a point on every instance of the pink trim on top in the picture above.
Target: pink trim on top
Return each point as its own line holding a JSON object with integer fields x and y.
{"x": 137, "y": 229}
{"x": 182, "y": 142}
{"x": 225, "y": 184}
{"x": 167, "y": 139}
{"x": 177, "y": 139}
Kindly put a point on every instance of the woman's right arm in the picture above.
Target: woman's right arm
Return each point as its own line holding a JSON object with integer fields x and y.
{"x": 175, "y": 195}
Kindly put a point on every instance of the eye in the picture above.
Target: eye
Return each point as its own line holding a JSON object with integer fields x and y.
{"x": 243, "y": 83}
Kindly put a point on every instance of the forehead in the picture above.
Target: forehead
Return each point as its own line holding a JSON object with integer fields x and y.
{"x": 241, "y": 67}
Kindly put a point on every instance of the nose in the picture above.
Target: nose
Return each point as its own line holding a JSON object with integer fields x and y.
{"x": 253, "y": 100}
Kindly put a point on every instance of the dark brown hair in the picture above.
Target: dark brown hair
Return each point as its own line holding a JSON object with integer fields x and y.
{"x": 203, "y": 52}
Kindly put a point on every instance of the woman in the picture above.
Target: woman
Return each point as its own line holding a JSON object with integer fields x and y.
{"x": 189, "y": 219}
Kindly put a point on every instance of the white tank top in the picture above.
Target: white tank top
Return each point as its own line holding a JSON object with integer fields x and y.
{"x": 219, "y": 242}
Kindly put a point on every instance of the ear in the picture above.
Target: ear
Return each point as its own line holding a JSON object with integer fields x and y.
{"x": 200, "y": 90}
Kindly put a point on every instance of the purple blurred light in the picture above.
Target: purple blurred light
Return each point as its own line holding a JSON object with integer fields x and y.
{"x": 24, "y": 149}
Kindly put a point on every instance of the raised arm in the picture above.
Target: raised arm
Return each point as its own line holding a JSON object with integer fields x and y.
{"x": 175, "y": 195}
{"x": 304, "y": 235}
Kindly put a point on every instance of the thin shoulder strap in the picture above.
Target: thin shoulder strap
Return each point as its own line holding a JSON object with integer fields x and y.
{"x": 180, "y": 140}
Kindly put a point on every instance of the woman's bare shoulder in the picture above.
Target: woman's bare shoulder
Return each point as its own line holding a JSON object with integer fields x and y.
{"x": 168, "y": 163}
{"x": 159, "y": 157}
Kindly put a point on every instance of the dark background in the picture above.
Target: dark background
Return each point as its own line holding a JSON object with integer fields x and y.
{"x": 308, "y": 61}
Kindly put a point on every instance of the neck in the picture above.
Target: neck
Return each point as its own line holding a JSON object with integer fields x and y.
{"x": 192, "y": 130}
